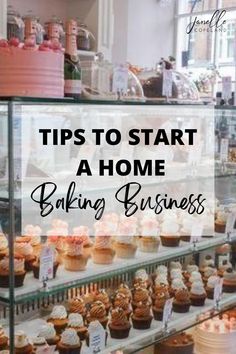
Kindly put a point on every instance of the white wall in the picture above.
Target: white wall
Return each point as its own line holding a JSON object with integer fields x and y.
{"x": 119, "y": 50}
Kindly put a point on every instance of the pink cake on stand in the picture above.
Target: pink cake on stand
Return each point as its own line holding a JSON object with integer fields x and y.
{"x": 30, "y": 70}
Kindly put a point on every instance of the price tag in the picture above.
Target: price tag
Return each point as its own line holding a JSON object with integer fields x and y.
{"x": 97, "y": 337}
{"x": 46, "y": 263}
{"x": 226, "y": 87}
{"x": 46, "y": 350}
{"x": 167, "y": 311}
{"x": 218, "y": 290}
{"x": 224, "y": 149}
{"x": 196, "y": 232}
{"x": 120, "y": 79}
{"x": 167, "y": 83}
{"x": 230, "y": 222}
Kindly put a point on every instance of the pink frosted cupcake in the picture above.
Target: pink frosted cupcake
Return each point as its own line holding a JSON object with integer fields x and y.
{"x": 74, "y": 257}
{"x": 23, "y": 247}
{"x": 34, "y": 232}
{"x": 83, "y": 232}
{"x": 102, "y": 252}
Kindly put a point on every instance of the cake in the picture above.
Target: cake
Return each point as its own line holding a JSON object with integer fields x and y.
{"x": 216, "y": 336}
{"x": 48, "y": 332}
{"x": 178, "y": 344}
{"x": 119, "y": 325}
{"x": 141, "y": 317}
{"x": 69, "y": 342}
{"x": 34, "y": 232}
{"x": 149, "y": 240}
{"x": 29, "y": 70}
{"x": 58, "y": 318}
{"x": 125, "y": 290}
{"x": 75, "y": 321}
{"x": 19, "y": 271}
{"x": 22, "y": 344}
{"x": 74, "y": 258}
{"x": 98, "y": 312}
{"x": 3, "y": 339}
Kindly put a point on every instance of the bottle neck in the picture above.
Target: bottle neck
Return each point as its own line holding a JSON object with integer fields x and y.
{"x": 71, "y": 45}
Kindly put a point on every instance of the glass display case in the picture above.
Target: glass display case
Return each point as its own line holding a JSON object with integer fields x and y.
{"x": 28, "y": 306}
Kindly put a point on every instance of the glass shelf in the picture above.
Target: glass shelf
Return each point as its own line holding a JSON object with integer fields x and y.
{"x": 33, "y": 289}
{"x": 139, "y": 339}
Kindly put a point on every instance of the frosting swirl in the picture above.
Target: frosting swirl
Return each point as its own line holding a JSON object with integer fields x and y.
{"x": 198, "y": 288}
{"x": 102, "y": 242}
{"x": 74, "y": 245}
{"x": 75, "y": 320}
{"x": 77, "y": 305}
{"x": 97, "y": 310}
{"x": 21, "y": 339}
{"x": 58, "y": 312}
{"x": 69, "y": 337}
{"x": 47, "y": 331}
{"x": 118, "y": 317}
{"x": 142, "y": 310}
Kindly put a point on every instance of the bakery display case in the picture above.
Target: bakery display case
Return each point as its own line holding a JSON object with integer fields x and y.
{"x": 127, "y": 296}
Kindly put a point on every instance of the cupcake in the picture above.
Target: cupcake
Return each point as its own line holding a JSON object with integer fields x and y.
{"x": 170, "y": 234}
{"x": 195, "y": 276}
{"x": 197, "y": 294}
{"x": 161, "y": 270}
{"x": 141, "y": 317}
{"x": 176, "y": 273}
{"x": 220, "y": 221}
{"x": 229, "y": 281}
{"x": 119, "y": 324}
{"x": 181, "y": 303}
{"x": 77, "y": 305}
{"x": 22, "y": 345}
{"x": 69, "y": 342}
{"x": 176, "y": 284}
{"x": 175, "y": 265}
{"x": 83, "y": 232}
{"x": 23, "y": 248}
{"x": 34, "y": 232}
{"x": 141, "y": 295}
{"x": 158, "y": 306}
{"x": 142, "y": 277}
{"x": 190, "y": 268}
{"x": 74, "y": 258}
{"x": 149, "y": 244}
{"x": 58, "y": 242}
{"x": 3, "y": 246}
{"x": 75, "y": 321}
{"x": 58, "y": 318}
{"x": 208, "y": 272}
{"x": 125, "y": 246}
{"x": 98, "y": 312}
{"x": 19, "y": 271}
{"x": 159, "y": 287}
{"x": 40, "y": 343}
{"x": 125, "y": 290}
{"x": 182, "y": 343}
{"x": 210, "y": 286}
{"x": 48, "y": 332}
{"x": 187, "y": 225}
{"x": 102, "y": 296}
{"x": 149, "y": 240}
{"x": 3, "y": 339}
{"x": 102, "y": 251}
{"x": 224, "y": 266}
{"x": 123, "y": 302}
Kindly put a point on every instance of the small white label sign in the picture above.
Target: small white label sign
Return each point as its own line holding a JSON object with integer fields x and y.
{"x": 226, "y": 87}
{"x": 167, "y": 311}
{"x": 97, "y": 337}
{"x": 120, "y": 79}
{"x": 167, "y": 83}
{"x": 196, "y": 232}
{"x": 224, "y": 149}
{"x": 218, "y": 290}
{"x": 230, "y": 222}
{"x": 46, "y": 263}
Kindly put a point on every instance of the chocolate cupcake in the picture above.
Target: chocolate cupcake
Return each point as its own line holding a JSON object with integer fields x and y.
{"x": 69, "y": 342}
{"x": 229, "y": 281}
{"x": 75, "y": 321}
{"x": 121, "y": 301}
{"x": 141, "y": 317}
{"x": 102, "y": 296}
{"x": 58, "y": 318}
{"x": 119, "y": 325}
{"x": 181, "y": 303}
{"x": 197, "y": 294}
{"x": 98, "y": 312}
{"x": 140, "y": 295}
{"x": 77, "y": 305}
{"x": 159, "y": 304}
{"x": 48, "y": 332}
{"x": 210, "y": 287}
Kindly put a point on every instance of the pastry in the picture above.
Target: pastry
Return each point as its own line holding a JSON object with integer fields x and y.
{"x": 158, "y": 307}
{"x": 102, "y": 252}
{"x": 123, "y": 302}
{"x": 170, "y": 234}
{"x": 119, "y": 324}
{"x": 58, "y": 318}
{"x": 3, "y": 339}
{"x": 77, "y": 305}
{"x": 75, "y": 321}
{"x": 40, "y": 343}
{"x": 141, "y": 317}
{"x": 69, "y": 342}
{"x": 22, "y": 345}
{"x": 83, "y": 232}
{"x": 102, "y": 296}
{"x": 229, "y": 281}
{"x": 23, "y": 248}
{"x": 178, "y": 344}
{"x": 141, "y": 295}
{"x": 141, "y": 277}
{"x": 3, "y": 246}
{"x": 220, "y": 221}
{"x": 181, "y": 303}
{"x": 125, "y": 246}
{"x": 19, "y": 270}
{"x": 197, "y": 294}
{"x": 74, "y": 258}
{"x": 98, "y": 312}
{"x": 124, "y": 289}
{"x": 48, "y": 332}
{"x": 210, "y": 286}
